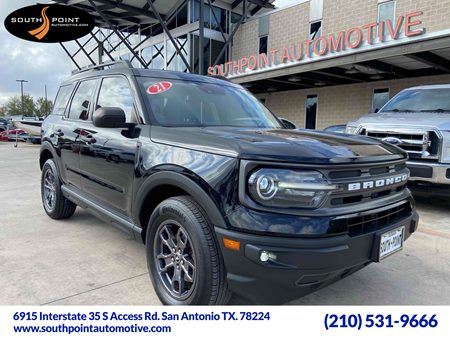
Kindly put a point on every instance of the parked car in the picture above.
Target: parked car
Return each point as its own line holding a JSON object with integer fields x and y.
{"x": 3, "y": 124}
{"x": 10, "y": 135}
{"x": 224, "y": 196}
{"x": 339, "y": 128}
{"x": 418, "y": 121}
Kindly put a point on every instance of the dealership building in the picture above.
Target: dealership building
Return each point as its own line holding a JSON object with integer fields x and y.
{"x": 329, "y": 62}
{"x": 317, "y": 62}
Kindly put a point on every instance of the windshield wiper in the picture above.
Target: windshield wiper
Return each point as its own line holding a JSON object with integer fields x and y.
{"x": 399, "y": 111}
{"x": 439, "y": 110}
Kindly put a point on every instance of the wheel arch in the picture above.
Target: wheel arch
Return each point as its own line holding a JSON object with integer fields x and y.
{"x": 166, "y": 184}
{"x": 46, "y": 153}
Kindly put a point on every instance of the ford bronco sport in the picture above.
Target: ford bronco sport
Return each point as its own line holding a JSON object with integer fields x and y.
{"x": 225, "y": 198}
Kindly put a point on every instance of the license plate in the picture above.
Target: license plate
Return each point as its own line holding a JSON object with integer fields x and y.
{"x": 391, "y": 242}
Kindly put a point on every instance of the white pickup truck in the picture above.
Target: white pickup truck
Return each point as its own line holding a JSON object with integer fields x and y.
{"x": 418, "y": 121}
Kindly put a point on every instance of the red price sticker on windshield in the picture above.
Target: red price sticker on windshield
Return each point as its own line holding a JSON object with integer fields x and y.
{"x": 159, "y": 87}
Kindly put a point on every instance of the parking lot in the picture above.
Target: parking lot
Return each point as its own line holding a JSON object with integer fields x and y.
{"x": 84, "y": 261}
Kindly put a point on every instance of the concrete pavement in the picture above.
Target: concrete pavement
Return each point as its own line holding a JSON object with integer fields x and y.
{"x": 83, "y": 261}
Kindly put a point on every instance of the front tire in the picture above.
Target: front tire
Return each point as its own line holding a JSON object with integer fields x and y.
{"x": 55, "y": 204}
{"x": 183, "y": 257}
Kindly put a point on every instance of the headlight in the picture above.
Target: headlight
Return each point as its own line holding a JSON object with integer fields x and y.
{"x": 351, "y": 129}
{"x": 285, "y": 188}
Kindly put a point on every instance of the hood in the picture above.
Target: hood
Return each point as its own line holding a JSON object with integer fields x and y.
{"x": 422, "y": 121}
{"x": 295, "y": 146}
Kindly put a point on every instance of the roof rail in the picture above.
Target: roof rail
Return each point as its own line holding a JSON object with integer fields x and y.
{"x": 124, "y": 63}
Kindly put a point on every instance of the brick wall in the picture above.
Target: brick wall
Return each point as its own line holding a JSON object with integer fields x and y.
{"x": 291, "y": 25}
{"x": 339, "y": 104}
{"x": 288, "y": 26}
{"x": 246, "y": 41}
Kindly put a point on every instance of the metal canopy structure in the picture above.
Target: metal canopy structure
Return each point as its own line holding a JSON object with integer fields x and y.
{"x": 186, "y": 32}
{"x": 419, "y": 58}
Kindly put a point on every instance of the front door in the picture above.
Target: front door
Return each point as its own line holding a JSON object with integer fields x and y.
{"x": 107, "y": 157}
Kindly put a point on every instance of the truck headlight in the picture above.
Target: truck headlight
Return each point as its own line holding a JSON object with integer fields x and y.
{"x": 350, "y": 129}
{"x": 286, "y": 188}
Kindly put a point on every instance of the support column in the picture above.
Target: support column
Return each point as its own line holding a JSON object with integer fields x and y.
{"x": 200, "y": 37}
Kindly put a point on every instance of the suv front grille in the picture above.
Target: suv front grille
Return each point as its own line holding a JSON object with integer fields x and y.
{"x": 346, "y": 176}
{"x": 418, "y": 144}
{"x": 360, "y": 225}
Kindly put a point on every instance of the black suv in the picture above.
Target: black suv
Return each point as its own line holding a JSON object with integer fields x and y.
{"x": 224, "y": 196}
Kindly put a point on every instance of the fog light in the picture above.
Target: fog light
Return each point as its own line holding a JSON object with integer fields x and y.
{"x": 265, "y": 256}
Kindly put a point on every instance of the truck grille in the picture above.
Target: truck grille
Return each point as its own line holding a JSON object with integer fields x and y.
{"x": 360, "y": 225}
{"x": 418, "y": 144}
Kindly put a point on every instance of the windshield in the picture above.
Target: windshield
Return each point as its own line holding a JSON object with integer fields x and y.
{"x": 420, "y": 100}
{"x": 200, "y": 104}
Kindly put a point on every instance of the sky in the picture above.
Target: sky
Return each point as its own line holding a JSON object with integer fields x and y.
{"x": 39, "y": 63}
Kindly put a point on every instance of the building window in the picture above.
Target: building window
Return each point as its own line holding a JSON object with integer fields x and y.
{"x": 386, "y": 10}
{"x": 379, "y": 98}
{"x": 311, "y": 112}
{"x": 263, "y": 44}
{"x": 263, "y": 33}
{"x": 315, "y": 30}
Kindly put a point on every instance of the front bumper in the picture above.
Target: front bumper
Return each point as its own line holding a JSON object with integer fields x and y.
{"x": 429, "y": 178}
{"x": 302, "y": 265}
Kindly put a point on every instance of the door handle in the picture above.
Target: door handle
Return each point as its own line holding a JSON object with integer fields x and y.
{"x": 59, "y": 132}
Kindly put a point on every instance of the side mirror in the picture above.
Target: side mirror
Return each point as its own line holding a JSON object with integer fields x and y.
{"x": 110, "y": 117}
{"x": 288, "y": 124}
{"x": 374, "y": 111}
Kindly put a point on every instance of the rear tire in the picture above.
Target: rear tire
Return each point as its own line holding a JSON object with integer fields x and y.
{"x": 55, "y": 204}
{"x": 183, "y": 256}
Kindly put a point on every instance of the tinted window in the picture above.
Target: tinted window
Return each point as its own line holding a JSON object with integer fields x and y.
{"x": 263, "y": 33}
{"x": 311, "y": 112}
{"x": 184, "y": 104}
{"x": 315, "y": 30}
{"x": 62, "y": 98}
{"x": 79, "y": 108}
{"x": 420, "y": 100}
{"x": 263, "y": 45}
{"x": 116, "y": 92}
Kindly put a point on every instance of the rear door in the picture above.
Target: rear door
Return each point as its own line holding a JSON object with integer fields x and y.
{"x": 107, "y": 157}
{"x": 68, "y": 130}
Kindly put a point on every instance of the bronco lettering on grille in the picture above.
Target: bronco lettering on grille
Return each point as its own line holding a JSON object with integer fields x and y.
{"x": 377, "y": 183}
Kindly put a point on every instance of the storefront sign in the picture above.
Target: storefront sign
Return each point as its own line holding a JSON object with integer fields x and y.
{"x": 353, "y": 38}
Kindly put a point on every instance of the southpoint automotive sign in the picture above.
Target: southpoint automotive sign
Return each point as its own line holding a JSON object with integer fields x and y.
{"x": 374, "y": 33}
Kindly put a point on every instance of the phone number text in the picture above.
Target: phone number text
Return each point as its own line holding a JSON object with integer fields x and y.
{"x": 358, "y": 321}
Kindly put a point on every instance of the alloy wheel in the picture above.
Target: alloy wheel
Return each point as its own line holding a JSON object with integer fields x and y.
{"x": 175, "y": 259}
{"x": 49, "y": 190}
